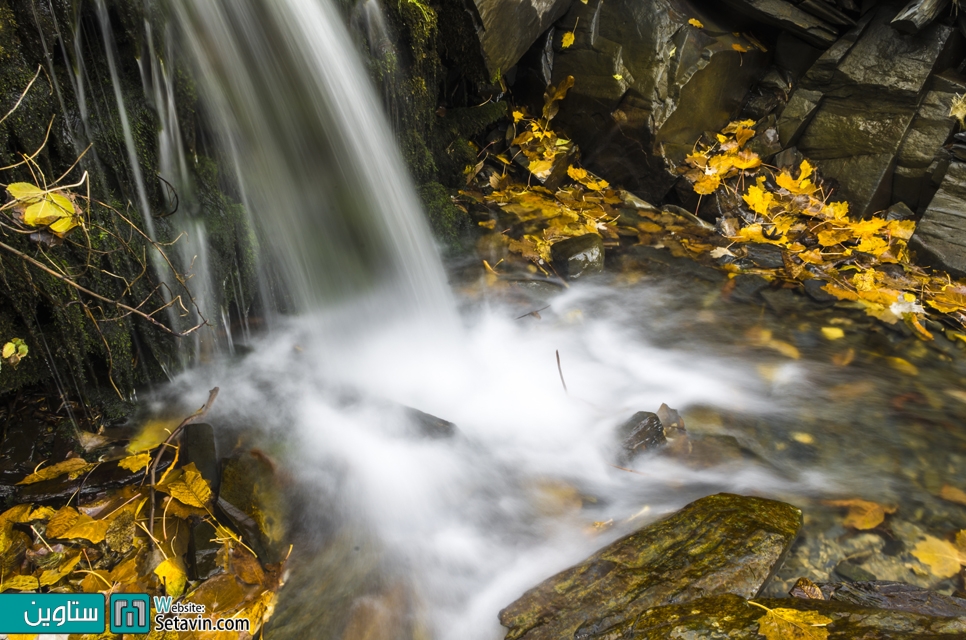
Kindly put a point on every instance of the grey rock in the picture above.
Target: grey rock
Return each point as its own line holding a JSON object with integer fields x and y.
{"x": 643, "y": 431}
{"x": 917, "y": 14}
{"x": 253, "y": 498}
{"x": 576, "y": 257}
{"x": 789, "y": 17}
{"x": 648, "y": 85}
{"x": 896, "y": 596}
{"x": 721, "y": 544}
{"x": 797, "y": 115}
{"x": 198, "y": 446}
{"x": 940, "y": 237}
{"x": 429, "y": 426}
{"x": 507, "y": 28}
{"x": 853, "y": 572}
{"x": 203, "y": 551}
{"x": 899, "y": 211}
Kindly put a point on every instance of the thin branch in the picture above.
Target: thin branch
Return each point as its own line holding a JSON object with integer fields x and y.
{"x": 117, "y": 304}
{"x": 560, "y": 370}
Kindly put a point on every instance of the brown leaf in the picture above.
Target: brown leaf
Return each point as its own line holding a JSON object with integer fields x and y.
{"x": 862, "y": 514}
{"x": 246, "y": 566}
{"x": 807, "y": 590}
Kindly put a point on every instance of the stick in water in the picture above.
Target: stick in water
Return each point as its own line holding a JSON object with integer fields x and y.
{"x": 560, "y": 370}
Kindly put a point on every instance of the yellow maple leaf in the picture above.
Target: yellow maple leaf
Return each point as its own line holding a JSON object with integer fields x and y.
{"x": 746, "y": 159}
{"x": 758, "y": 199}
{"x": 942, "y": 557}
{"x": 568, "y": 39}
{"x": 800, "y": 185}
{"x": 833, "y": 333}
{"x": 791, "y": 624}
{"x": 517, "y": 117}
{"x": 707, "y": 184}
{"x": 836, "y": 210}
{"x": 740, "y": 48}
{"x": 902, "y": 229}
{"x": 694, "y": 22}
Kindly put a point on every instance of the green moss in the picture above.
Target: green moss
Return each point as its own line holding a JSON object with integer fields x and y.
{"x": 449, "y": 223}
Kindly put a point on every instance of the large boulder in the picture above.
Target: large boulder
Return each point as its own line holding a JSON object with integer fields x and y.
{"x": 721, "y": 544}
{"x": 647, "y": 84}
{"x": 868, "y": 106}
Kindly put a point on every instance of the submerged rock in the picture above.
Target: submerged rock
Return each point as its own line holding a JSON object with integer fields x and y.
{"x": 721, "y": 544}
{"x": 647, "y": 85}
{"x": 575, "y": 257}
{"x": 734, "y": 618}
{"x": 253, "y": 498}
{"x": 895, "y": 596}
{"x": 641, "y": 432}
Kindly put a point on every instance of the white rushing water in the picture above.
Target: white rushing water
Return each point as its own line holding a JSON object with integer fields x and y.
{"x": 473, "y": 520}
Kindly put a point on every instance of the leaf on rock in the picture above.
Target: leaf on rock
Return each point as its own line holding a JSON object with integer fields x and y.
{"x": 172, "y": 574}
{"x": 87, "y": 528}
{"x": 20, "y": 583}
{"x": 136, "y": 462}
{"x": 694, "y": 22}
{"x": 791, "y": 624}
{"x": 863, "y": 514}
{"x": 568, "y": 39}
{"x": 73, "y": 466}
{"x": 942, "y": 557}
{"x": 192, "y": 489}
{"x": 62, "y": 521}
{"x": 152, "y": 433}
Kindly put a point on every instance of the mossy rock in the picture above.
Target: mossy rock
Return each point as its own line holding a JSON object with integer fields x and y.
{"x": 721, "y": 544}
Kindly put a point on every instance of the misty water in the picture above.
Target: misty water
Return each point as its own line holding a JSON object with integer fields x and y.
{"x": 442, "y": 532}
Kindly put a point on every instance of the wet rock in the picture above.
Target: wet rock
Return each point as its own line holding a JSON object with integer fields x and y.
{"x": 641, "y": 432}
{"x": 198, "y": 446}
{"x": 430, "y": 426}
{"x": 576, "y": 257}
{"x": 506, "y": 29}
{"x": 731, "y": 617}
{"x": 765, "y": 256}
{"x": 721, "y": 544}
{"x": 853, "y": 572}
{"x": 899, "y": 211}
{"x": 789, "y": 17}
{"x": 917, "y": 14}
{"x": 203, "y": 551}
{"x": 747, "y": 288}
{"x": 814, "y": 290}
{"x": 253, "y": 498}
{"x": 783, "y": 302}
{"x": 940, "y": 237}
{"x": 896, "y": 596}
{"x": 105, "y": 477}
{"x": 855, "y": 106}
{"x": 648, "y": 85}
{"x": 16, "y": 451}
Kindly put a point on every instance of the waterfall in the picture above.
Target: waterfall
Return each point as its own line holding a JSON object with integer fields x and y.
{"x": 324, "y": 182}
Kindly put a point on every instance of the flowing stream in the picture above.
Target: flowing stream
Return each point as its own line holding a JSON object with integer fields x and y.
{"x": 461, "y": 525}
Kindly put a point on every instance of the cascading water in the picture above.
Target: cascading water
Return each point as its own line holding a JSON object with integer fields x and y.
{"x": 325, "y": 183}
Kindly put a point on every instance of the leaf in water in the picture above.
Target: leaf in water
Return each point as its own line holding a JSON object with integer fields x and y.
{"x": 62, "y": 521}
{"x": 951, "y": 493}
{"x": 863, "y": 514}
{"x": 942, "y": 557}
{"x": 87, "y": 528}
{"x": 833, "y": 333}
{"x": 73, "y": 466}
{"x": 53, "y": 576}
{"x": 246, "y": 566}
{"x": 740, "y": 48}
{"x": 694, "y": 22}
{"x": 20, "y": 583}
{"x": 900, "y": 364}
{"x": 172, "y": 574}
{"x": 192, "y": 490}
{"x": 790, "y": 624}
{"x": 568, "y": 39}
{"x": 136, "y": 462}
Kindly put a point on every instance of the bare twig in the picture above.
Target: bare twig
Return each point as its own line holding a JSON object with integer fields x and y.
{"x": 117, "y": 304}
{"x": 560, "y": 370}
{"x": 200, "y": 413}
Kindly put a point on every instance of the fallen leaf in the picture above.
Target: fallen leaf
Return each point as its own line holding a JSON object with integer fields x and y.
{"x": 568, "y": 39}
{"x": 694, "y": 22}
{"x": 73, "y": 466}
{"x": 62, "y": 521}
{"x": 900, "y": 364}
{"x": 942, "y": 557}
{"x": 790, "y": 624}
{"x": 86, "y": 528}
{"x": 20, "y": 583}
{"x": 136, "y": 462}
{"x": 53, "y": 576}
{"x": 172, "y": 574}
{"x": 862, "y": 514}
{"x": 152, "y": 433}
{"x": 192, "y": 490}
{"x": 832, "y": 333}
{"x": 953, "y": 494}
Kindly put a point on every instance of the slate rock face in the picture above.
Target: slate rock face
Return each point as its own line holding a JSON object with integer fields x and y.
{"x": 507, "y": 28}
{"x": 869, "y": 114}
{"x": 721, "y": 544}
{"x": 647, "y": 85}
{"x": 940, "y": 237}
